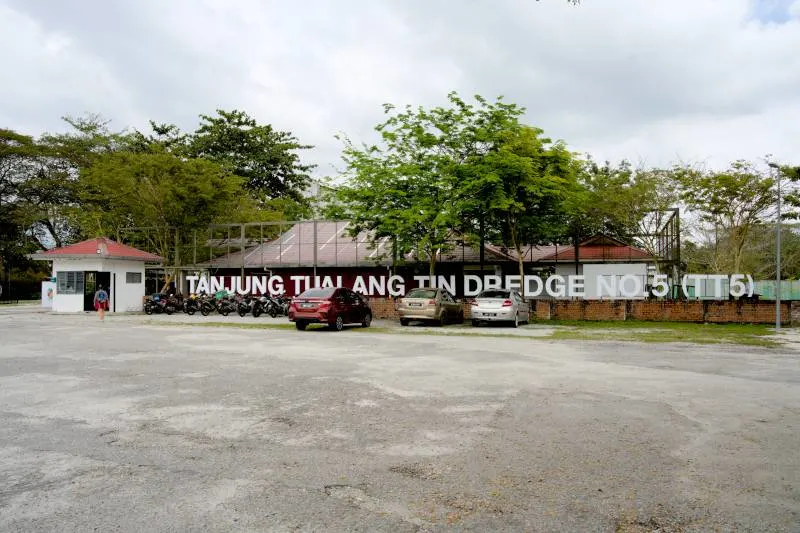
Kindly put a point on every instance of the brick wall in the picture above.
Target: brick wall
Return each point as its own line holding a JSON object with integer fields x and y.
{"x": 383, "y": 307}
{"x": 652, "y": 310}
{"x": 541, "y": 309}
{"x": 670, "y": 311}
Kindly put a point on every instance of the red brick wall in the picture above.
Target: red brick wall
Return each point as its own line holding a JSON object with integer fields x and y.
{"x": 761, "y": 312}
{"x": 541, "y": 309}
{"x": 670, "y": 311}
{"x": 653, "y": 310}
{"x": 383, "y": 307}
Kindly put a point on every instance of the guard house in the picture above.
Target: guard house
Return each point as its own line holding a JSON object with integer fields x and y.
{"x": 80, "y": 268}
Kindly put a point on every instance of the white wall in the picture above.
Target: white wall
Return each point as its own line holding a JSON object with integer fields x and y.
{"x": 124, "y": 296}
{"x": 613, "y": 273}
{"x": 129, "y": 296}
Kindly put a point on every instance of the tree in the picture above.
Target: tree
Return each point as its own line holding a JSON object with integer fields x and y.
{"x": 529, "y": 178}
{"x": 732, "y": 202}
{"x": 417, "y": 186}
{"x": 156, "y": 190}
{"x": 610, "y": 199}
{"x": 265, "y": 158}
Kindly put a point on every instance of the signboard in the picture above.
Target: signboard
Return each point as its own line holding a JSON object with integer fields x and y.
{"x": 600, "y": 286}
{"x": 48, "y": 293}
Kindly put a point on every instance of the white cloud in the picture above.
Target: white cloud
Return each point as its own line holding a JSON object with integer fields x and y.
{"x": 653, "y": 81}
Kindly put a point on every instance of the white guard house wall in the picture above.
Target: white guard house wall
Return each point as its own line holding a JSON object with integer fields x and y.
{"x": 127, "y": 291}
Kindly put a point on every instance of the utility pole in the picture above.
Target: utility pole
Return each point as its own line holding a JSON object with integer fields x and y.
{"x": 777, "y": 170}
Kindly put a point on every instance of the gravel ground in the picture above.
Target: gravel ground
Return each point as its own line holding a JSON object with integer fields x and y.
{"x": 131, "y": 426}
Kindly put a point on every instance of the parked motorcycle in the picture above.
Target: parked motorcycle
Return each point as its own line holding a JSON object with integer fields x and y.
{"x": 226, "y": 305}
{"x": 159, "y": 303}
{"x": 191, "y": 305}
{"x": 264, "y": 304}
{"x": 283, "y": 302}
{"x": 207, "y": 305}
{"x": 244, "y": 305}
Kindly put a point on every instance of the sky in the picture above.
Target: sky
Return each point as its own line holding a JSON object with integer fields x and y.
{"x": 655, "y": 82}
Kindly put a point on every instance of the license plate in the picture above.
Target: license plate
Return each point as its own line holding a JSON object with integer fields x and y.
{"x": 306, "y": 306}
{"x": 489, "y": 314}
{"x": 414, "y": 305}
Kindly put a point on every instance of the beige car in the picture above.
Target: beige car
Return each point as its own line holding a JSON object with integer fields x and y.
{"x": 430, "y": 305}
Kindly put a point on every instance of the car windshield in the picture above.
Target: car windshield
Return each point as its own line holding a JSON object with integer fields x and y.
{"x": 318, "y": 293}
{"x": 494, "y": 294}
{"x": 422, "y": 293}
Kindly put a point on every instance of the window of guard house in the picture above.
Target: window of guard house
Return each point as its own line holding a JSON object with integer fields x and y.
{"x": 69, "y": 282}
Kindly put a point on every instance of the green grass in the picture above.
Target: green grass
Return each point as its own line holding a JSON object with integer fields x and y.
{"x": 660, "y": 332}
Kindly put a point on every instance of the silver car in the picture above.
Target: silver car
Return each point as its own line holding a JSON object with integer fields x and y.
{"x": 499, "y": 306}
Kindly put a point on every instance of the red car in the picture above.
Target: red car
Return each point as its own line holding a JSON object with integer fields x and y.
{"x": 332, "y": 306}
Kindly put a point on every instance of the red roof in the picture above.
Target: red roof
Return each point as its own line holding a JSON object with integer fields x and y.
{"x": 599, "y": 248}
{"x": 100, "y": 247}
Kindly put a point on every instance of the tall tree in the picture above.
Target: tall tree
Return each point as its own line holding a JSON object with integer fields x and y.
{"x": 610, "y": 199}
{"x": 162, "y": 191}
{"x": 417, "y": 184}
{"x": 733, "y": 201}
{"x": 529, "y": 178}
{"x": 267, "y": 159}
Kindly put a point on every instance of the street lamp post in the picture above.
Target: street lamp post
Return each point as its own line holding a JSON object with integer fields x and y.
{"x": 775, "y": 167}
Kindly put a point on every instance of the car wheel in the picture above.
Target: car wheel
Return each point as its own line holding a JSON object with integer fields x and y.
{"x": 516, "y": 320}
{"x": 404, "y": 321}
{"x": 300, "y": 325}
{"x": 339, "y": 324}
{"x": 475, "y": 323}
{"x": 367, "y": 320}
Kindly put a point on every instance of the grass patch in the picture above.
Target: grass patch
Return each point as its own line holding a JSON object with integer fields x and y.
{"x": 659, "y": 332}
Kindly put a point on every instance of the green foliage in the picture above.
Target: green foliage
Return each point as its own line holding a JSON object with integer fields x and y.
{"x": 420, "y": 184}
{"x": 731, "y": 202}
{"x": 267, "y": 159}
{"x": 157, "y": 190}
{"x": 524, "y": 183}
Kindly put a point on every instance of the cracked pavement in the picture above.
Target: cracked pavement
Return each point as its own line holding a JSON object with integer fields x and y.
{"x": 130, "y": 426}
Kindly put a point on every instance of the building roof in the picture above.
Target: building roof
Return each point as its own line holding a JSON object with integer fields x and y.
{"x": 99, "y": 247}
{"x": 336, "y": 247}
{"x": 600, "y": 248}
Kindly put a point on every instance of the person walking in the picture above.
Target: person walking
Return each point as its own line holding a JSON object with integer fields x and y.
{"x": 101, "y": 302}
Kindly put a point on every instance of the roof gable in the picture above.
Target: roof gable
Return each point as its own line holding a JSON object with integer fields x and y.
{"x": 99, "y": 247}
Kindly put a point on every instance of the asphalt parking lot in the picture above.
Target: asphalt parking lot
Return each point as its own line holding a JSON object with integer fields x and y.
{"x": 132, "y": 425}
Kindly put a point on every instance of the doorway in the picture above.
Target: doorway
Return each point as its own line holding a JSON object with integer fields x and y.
{"x": 92, "y": 281}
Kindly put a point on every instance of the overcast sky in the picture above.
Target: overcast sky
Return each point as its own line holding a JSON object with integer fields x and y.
{"x": 651, "y": 81}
